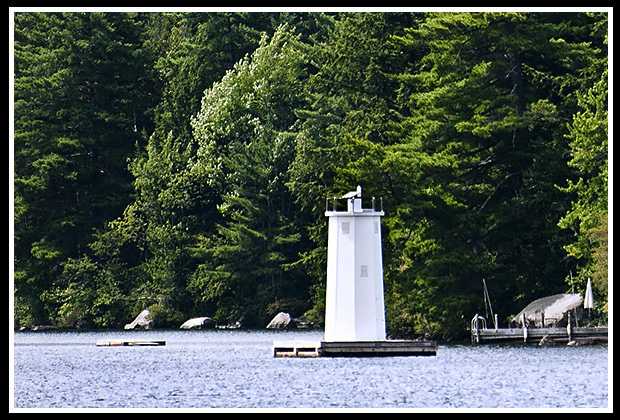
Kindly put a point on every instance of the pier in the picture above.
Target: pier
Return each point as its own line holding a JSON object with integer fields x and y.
{"x": 296, "y": 348}
{"x": 354, "y": 348}
{"x": 481, "y": 334}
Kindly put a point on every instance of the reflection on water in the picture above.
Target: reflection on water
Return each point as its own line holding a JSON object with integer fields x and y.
{"x": 236, "y": 369}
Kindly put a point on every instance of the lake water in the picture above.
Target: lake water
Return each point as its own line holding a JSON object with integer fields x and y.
{"x": 236, "y": 369}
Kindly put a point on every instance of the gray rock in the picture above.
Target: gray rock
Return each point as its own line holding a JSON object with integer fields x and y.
{"x": 281, "y": 320}
{"x": 301, "y": 323}
{"x": 143, "y": 320}
{"x": 43, "y": 327}
{"x": 547, "y": 341}
{"x": 198, "y": 323}
{"x": 581, "y": 342}
{"x": 234, "y": 326}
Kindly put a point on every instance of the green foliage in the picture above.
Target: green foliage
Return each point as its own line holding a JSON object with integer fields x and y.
{"x": 488, "y": 100}
{"x": 242, "y": 131}
{"x": 588, "y": 215}
{"x": 81, "y": 92}
{"x": 181, "y": 161}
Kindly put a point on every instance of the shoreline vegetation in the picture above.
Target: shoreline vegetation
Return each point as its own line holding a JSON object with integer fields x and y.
{"x": 180, "y": 162}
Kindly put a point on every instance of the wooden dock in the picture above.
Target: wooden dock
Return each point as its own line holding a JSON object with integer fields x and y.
{"x": 114, "y": 343}
{"x": 535, "y": 335}
{"x": 566, "y": 334}
{"x": 355, "y": 348}
{"x": 296, "y": 348}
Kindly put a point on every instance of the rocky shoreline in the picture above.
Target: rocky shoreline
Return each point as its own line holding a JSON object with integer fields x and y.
{"x": 145, "y": 321}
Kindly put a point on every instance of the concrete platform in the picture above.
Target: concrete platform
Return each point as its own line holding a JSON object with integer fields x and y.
{"x": 354, "y": 348}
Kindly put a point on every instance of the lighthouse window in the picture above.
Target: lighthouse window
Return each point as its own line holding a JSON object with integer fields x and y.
{"x": 345, "y": 227}
{"x": 364, "y": 271}
{"x": 376, "y": 227}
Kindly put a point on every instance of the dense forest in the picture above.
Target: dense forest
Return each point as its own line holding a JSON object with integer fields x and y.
{"x": 181, "y": 161}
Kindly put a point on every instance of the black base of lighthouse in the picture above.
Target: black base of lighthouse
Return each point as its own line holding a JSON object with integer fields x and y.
{"x": 377, "y": 348}
{"x": 386, "y": 348}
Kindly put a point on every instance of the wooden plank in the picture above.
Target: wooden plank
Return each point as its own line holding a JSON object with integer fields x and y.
{"x": 296, "y": 348}
{"x": 114, "y": 343}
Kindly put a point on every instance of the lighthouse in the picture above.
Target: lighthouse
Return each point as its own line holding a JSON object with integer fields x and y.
{"x": 354, "y": 302}
{"x": 354, "y": 299}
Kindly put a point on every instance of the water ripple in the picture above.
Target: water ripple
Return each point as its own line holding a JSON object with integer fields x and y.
{"x": 235, "y": 369}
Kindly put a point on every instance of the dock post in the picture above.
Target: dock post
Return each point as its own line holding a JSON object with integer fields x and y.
{"x": 569, "y": 328}
{"x": 496, "y": 323}
{"x": 524, "y": 328}
{"x": 476, "y": 330}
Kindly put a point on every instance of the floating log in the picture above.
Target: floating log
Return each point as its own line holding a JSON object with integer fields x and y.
{"x": 109, "y": 343}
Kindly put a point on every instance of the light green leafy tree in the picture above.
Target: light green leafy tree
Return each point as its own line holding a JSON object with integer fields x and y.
{"x": 245, "y": 149}
{"x": 588, "y": 216}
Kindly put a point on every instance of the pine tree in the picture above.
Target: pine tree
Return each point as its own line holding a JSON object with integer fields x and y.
{"x": 82, "y": 93}
{"x": 588, "y": 216}
{"x": 487, "y": 103}
{"x": 343, "y": 128}
{"x": 244, "y": 146}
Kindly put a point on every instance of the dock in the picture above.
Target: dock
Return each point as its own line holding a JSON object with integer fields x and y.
{"x": 535, "y": 335}
{"x": 524, "y": 334}
{"x": 296, "y": 348}
{"x": 113, "y": 343}
{"x": 355, "y": 348}
{"x": 378, "y": 348}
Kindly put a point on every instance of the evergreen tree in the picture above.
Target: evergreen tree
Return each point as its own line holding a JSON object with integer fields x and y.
{"x": 588, "y": 216}
{"x": 488, "y": 101}
{"x": 181, "y": 161}
{"x": 246, "y": 149}
{"x": 341, "y": 131}
{"x": 82, "y": 94}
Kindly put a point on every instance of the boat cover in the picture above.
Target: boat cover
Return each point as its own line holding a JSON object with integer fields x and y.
{"x": 554, "y": 307}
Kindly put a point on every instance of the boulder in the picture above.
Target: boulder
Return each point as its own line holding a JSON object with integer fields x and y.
{"x": 43, "y": 327}
{"x": 143, "y": 320}
{"x": 301, "y": 323}
{"x": 281, "y": 320}
{"x": 581, "y": 342}
{"x": 547, "y": 341}
{"x": 234, "y": 326}
{"x": 554, "y": 309}
{"x": 198, "y": 323}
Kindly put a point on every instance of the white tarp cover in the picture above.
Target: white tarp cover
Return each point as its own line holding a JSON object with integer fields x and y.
{"x": 554, "y": 307}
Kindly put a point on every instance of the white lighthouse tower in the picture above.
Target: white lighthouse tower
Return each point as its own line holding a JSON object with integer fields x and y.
{"x": 354, "y": 303}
